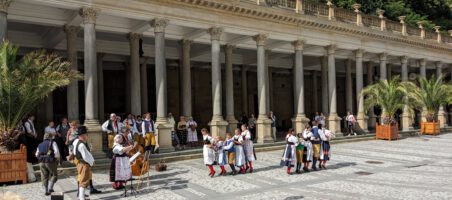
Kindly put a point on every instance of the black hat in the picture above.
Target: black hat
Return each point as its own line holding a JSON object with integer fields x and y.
{"x": 81, "y": 130}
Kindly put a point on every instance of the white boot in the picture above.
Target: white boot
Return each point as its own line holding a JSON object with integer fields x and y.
{"x": 81, "y": 193}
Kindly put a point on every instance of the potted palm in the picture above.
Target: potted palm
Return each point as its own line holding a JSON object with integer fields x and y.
{"x": 429, "y": 95}
{"x": 390, "y": 97}
{"x": 23, "y": 84}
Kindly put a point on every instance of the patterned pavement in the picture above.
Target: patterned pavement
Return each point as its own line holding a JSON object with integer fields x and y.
{"x": 412, "y": 168}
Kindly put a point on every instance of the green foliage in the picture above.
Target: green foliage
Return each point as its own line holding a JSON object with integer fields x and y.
{"x": 25, "y": 82}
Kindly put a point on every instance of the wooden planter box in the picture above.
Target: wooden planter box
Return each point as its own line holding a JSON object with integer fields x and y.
{"x": 387, "y": 132}
{"x": 13, "y": 166}
{"x": 430, "y": 128}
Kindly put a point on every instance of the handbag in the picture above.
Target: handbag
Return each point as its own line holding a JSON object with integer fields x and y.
{"x": 160, "y": 166}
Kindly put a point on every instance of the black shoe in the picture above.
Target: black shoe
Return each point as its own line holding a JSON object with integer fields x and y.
{"x": 47, "y": 193}
{"x": 94, "y": 191}
{"x": 51, "y": 191}
{"x": 314, "y": 169}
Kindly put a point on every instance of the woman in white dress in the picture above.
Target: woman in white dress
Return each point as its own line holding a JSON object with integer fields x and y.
{"x": 239, "y": 153}
{"x": 290, "y": 156}
{"x": 192, "y": 133}
{"x": 120, "y": 170}
{"x": 208, "y": 151}
{"x": 307, "y": 152}
{"x": 248, "y": 148}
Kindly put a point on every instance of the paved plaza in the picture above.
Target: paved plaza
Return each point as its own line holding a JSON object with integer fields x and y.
{"x": 412, "y": 168}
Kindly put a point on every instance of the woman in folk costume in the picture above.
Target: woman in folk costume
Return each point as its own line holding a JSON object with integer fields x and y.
{"x": 307, "y": 150}
{"x": 120, "y": 170}
{"x": 192, "y": 133}
{"x": 300, "y": 149}
{"x": 148, "y": 133}
{"x": 182, "y": 131}
{"x": 289, "y": 156}
{"x": 239, "y": 153}
{"x": 222, "y": 159}
{"x": 229, "y": 146}
{"x": 248, "y": 148}
{"x": 325, "y": 135}
{"x": 208, "y": 151}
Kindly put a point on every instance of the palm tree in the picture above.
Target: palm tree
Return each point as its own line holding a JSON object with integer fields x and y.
{"x": 430, "y": 95}
{"x": 388, "y": 95}
{"x": 25, "y": 83}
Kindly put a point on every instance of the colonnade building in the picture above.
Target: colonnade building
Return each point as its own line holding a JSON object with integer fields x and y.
{"x": 217, "y": 59}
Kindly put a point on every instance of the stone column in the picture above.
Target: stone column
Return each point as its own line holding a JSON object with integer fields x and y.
{"x": 263, "y": 122}
{"x": 315, "y": 93}
{"x": 244, "y": 90}
{"x": 100, "y": 71}
{"x": 370, "y": 76}
{"x": 186, "y": 79}
{"x": 423, "y": 73}
{"x": 217, "y": 124}
{"x": 4, "y": 4}
{"x": 383, "y": 71}
{"x": 324, "y": 66}
{"x": 91, "y": 78}
{"x": 361, "y": 115}
{"x": 348, "y": 86}
{"x": 389, "y": 71}
{"x": 300, "y": 116}
{"x": 135, "y": 91}
{"x": 230, "y": 118}
{"x": 72, "y": 89}
{"x": 269, "y": 75}
{"x": 334, "y": 121}
{"x": 406, "y": 118}
{"x": 441, "y": 112}
{"x": 144, "y": 86}
{"x": 163, "y": 127}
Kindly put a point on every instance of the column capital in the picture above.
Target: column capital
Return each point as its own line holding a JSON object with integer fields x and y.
{"x": 381, "y": 13}
{"x": 420, "y": 24}
{"x": 100, "y": 55}
{"x": 185, "y": 42}
{"x": 359, "y": 53}
{"x": 331, "y": 49}
{"x": 423, "y": 62}
{"x": 134, "y": 36}
{"x": 261, "y": 39}
{"x": 159, "y": 24}
{"x": 402, "y": 19}
{"x": 357, "y": 6}
{"x": 4, "y": 5}
{"x": 439, "y": 64}
{"x": 215, "y": 32}
{"x": 383, "y": 56}
{"x": 437, "y": 29}
{"x": 71, "y": 29}
{"x": 404, "y": 59}
{"x": 228, "y": 47}
{"x": 329, "y": 3}
{"x": 89, "y": 14}
{"x": 450, "y": 32}
{"x": 298, "y": 45}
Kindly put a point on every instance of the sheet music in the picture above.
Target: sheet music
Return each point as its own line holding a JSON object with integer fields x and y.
{"x": 134, "y": 157}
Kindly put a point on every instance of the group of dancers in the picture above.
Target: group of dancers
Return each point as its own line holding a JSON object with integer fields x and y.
{"x": 235, "y": 150}
{"x": 311, "y": 146}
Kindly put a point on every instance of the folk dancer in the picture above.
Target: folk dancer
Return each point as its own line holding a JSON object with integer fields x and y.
{"x": 325, "y": 135}
{"x": 307, "y": 150}
{"x": 148, "y": 133}
{"x": 300, "y": 150}
{"x": 120, "y": 170}
{"x": 239, "y": 153}
{"x": 229, "y": 146}
{"x": 315, "y": 140}
{"x": 289, "y": 155}
{"x": 31, "y": 139}
{"x": 222, "y": 159}
{"x": 248, "y": 148}
{"x": 48, "y": 155}
{"x": 182, "y": 131}
{"x": 208, "y": 151}
{"x": 112, "y": 128}
{"x": 84, "y": 161}
{"x": 192, "y": 134}
{"x": 63, "y": 130}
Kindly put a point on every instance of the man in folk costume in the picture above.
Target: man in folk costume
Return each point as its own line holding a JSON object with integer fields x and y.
{"x": 229, "y": 146}
{"x": 325, "y": 135}
{"x": 112, "y": 128}
{"x": 315, "y": 140}
{"x": 239, "y": 153}
{"x": 148, "y": 133}
{"x": 222, "y": 158}
{"x": 208, "y": 151}
{"x": 120, "y": 170}
{"x": 137, "y": 137}
{"x": 307, "y": 150}
{"x": 48, "y": 155}
{"x": 299, "y": 149}
{"x": 131, "y": 123}
{"x": 289, "y": 155}
{"x": 85, "y": 161}
{"x": 248, "y": 148}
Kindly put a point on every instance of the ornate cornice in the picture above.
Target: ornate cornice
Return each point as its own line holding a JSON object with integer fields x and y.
{"x": 261, "y": 39}
{"x": 215, "y": 32}
{"x": 305, "y": 21}
{"x": 298, "y": 45}
{"x": 4, "y": 5}
{"x": 89, "y": 14}
{"x": 159, "y": 24}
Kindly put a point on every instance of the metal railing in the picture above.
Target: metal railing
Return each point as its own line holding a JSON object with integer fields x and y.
{"x": 314, "y": 9}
